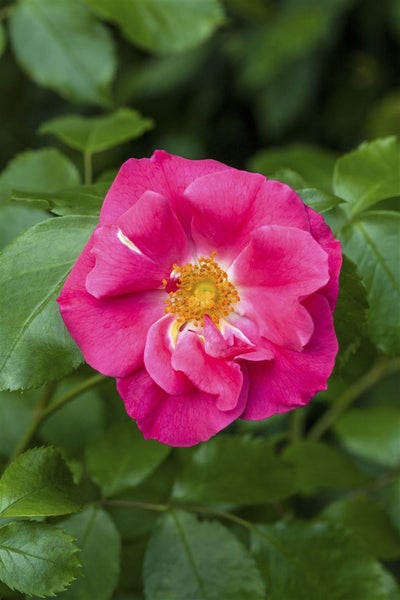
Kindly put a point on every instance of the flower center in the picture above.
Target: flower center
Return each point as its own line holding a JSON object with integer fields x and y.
{"x": 201, "y": 289}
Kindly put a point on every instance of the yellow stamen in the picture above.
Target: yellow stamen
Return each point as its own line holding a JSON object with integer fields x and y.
{"x": 202, "y": 289}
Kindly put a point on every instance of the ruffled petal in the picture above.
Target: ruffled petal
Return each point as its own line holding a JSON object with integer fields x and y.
{"x": 293, "y": 378}
{"x": 158, "y": 354}
{"x": 221, "y": 378}
{"x": 111, "y": 333}
{"x": 177, "y": 420}
{"x": 120, "y": 268}
{"x": 230, "y": 342}
{"x": 227, "y": 206}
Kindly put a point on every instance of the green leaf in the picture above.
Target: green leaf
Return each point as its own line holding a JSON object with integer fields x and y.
{"x": 233, "y": 470}
{"x": 369, "y": 174}
{"x": 32, "y": 270}
{"x": 350, "y": 313}
{"x": 36, "y": 559}
{"x": 2, "y": 39}
{"x": 15, "y": 415}
{"x": 203, "y": 560}
{"x": 95, "y": 134}
{"x": 307, "y": 561}
{"x": 82, "y": 200}
{"x": 368, "y": 520}
{"x": 62, "y": 46}
{"x": 163, "y": 26}
{"x": 100, "y": 546}
{"x": 314, "y": 165}
{"x": 318, "y": 465}
{"x": 372, "y": 433}
{"x": 318, "y": 199}
{"x": 16, "y": 219}
{"x": 123, "y": 458}
{"x": 45, "y": 170}
{"x": 37, "y": 484}
{"x": 372, "y": 241}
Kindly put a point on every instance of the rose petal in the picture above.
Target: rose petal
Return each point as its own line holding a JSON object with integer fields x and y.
{"x": 180, "y": 420}
{"x": 293, "y": 378}
{"x": 111, "y": 333}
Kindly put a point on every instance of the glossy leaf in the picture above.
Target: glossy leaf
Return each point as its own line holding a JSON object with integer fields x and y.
{"x": 233, "y": 470}
{"x": 351, "y": 311}
{"x": 82, "y": 200}
{"x": 162, "y": 26}
{"x": 318, "y": 199}
{"x": 372, "y": 433}
{"x": 99, "y": 555}
{"x": 319, "y": 465}
{"x": 308, "y": 560}
{"x": 122, "y": 458}
{"x": 369, "y": 174}
{"x": 62, "y": 46}
{"x": 369, "y": 522}
{"x": 45, "y": 170}
{"x": 202, "y": 560}
{"x": 36, "y": 559}
{"x": 38, "y": 483}
{"x": 372, "y": 241}
{"x": 32, "y": 270}
{"x": 94, "y": 134}
{"x": 314, "y": 165}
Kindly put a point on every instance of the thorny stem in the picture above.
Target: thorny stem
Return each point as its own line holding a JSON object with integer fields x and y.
{"x": 381, "y": 369}
{"x": 43, "y": 409}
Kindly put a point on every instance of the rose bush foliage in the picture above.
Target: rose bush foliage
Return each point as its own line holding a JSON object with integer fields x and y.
{"x": 208, "y": 293}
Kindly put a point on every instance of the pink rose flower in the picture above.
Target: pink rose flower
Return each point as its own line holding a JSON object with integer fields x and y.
{"x": 208, "y": 293}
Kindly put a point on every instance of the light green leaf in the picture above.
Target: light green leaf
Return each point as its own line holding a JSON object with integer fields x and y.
{"x": 187, "y": 558}
{"x": 163, "y": 26}
{"x": 36, "y": 484}
{"x": 94, "y": 134}
{"x": 372, "y": 433}
{"x": 32, "y": 270}
{"x": 372, "y": 241}
{"x": 2, "y": 39}
{"x": 318, "y": 465}
{"x": 314, "y": 165}
{"x": 16, "y": 219}
{"x": 350, "y": 313}
{"x": 62, "y": 46}
{"x": 369, "y": 174}
{"x": 233, "y": 470}
{"x": 100, "y": 546}
{"x": 318, "y": 199}
{"x": 311, "y": 561}
{"x": 82, "y": 200}
{"x": 367, "y": 519}
{"x": 45, "y": 170}
{"x": 36, "y": 559}
{"x": 123, "y": 458}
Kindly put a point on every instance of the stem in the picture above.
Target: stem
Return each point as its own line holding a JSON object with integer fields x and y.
{"x": 43, "y": 410}
{"x": 87, "y": 167}
{"x": 381, "y": 369}
{"x": 297, "y": 421}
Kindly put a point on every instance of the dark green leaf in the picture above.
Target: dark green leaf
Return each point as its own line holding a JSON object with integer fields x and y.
{"x": 369, "y": 174}
{"x": 38, "y": 171}
{"x": 15, "y": 415}
{"x": 123, "y": 458}
{"x": 2, "y": 39}
{"x": 36, "y": 559}
{"x": 94, "y": 134}
{"x": 163, "y": 26}
{"x": 319, "y": 465}
{"x": 372, "y": 433}
{"x": 100, "y": 547}
{"x": 350, "y": 314}
{"x": 318, "y": 199}
{"x": 32, "y": 270}
{"x": 82, "y": 200}
{"x": 62, "y": 46}
{"x": 369, "y": 521}
{"x": 372, "y": 242}
{"x": 38, "y": 483}
{"x": 233, "y": 470}
{"x": 314, "y": 165}
{"x": 311, "y": 561}
{"x": 198, "y": 560}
